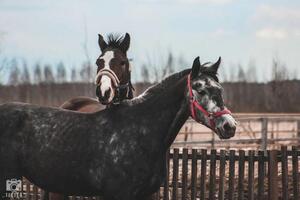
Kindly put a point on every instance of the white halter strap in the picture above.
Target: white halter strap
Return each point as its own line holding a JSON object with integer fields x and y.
{"x": 107, "y": 72}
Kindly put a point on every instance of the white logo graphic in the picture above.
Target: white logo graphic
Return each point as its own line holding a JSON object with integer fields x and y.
{"x": 13, "y": 185}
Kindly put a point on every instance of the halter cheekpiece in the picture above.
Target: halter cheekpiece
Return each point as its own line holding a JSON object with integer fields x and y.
{"x": 195, "y": 105}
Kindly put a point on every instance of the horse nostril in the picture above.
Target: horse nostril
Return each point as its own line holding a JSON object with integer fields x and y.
{"x": 227, "y": 127}
{"x": 107, "y": 93}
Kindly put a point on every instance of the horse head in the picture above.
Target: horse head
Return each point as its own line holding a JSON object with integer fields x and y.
{"x": 113, "y": 72}
{"x": 206, "y": 99}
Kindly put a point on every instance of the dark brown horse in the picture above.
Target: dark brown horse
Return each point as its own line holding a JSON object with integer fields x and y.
{"x": 113, "y": 80}
{"x": 113, "y": 77}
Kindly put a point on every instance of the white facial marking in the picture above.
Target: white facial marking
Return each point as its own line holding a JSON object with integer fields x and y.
{"x": 105, "y": 82}
{"x": 229, "y": 119}
{"x": 214, "y": 84}
{"x": 212, "y": 107}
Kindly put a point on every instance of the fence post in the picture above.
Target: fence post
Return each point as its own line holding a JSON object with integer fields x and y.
{"x": 222, "y": 175}
{"x": 251, "y": 175}
{"x": 261, "y": 176}
{"x": 264, "y": 134}
{"x": 241, "y": 174}
{"x": 295, "y": 169}
{"x": 184, "y": 173}
{"x": 166, "y": 185}
{"x": 194, "y": 175}
{"x": 212, "y": 174}
{"x": 175, "y": 174}
{"x": 298, "y": 132}
{"x": 203, "y": 174}
{"x": 284, "y": 169}
{"x": 231, "y": 180}
{"x": 273, "y": 175}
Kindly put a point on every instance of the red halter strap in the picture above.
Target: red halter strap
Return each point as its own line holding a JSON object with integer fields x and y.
{"x": 195, "y": 105}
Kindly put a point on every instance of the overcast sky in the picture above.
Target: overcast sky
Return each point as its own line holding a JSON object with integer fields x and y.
{"x": 237, "y": 30}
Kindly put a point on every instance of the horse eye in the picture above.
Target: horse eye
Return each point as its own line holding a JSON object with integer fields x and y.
{"x": 99, "y": 62}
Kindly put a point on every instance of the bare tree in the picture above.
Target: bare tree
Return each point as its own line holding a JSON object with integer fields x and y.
{"x": 73, "y": 75}
{"x": 25, "y": 77}
{"x": 14, "y": 76}
{"x": 251, "y": 75}
{"x": 86, "y": 72}
{"x": 279, "y": 70}
{"x": 169, "y": 67}
{"x": 37, "y": 74}
{"x": 61, "y": 73}
{"x": 49, "y": 78}
{"x": 145, "y": 74}
{"x": 241, "y": 74}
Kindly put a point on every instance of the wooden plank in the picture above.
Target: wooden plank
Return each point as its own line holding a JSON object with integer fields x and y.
{"x": 222, "y": 175}
{"x": 251, "y": 175}
{"x": 284, "y": 169}
{"x": 166, "y": 184}
{"x": 273, "y": 175}
{"x": 261, "y": 176}
{"x": 184, "y": 173}
{"x": 194, "y": 175}
{"x": 35, "y": 193}
{"x": 175, "y": 174}
{"x": 264, "y": 134}
{"x": 295, "y": 173}
{"x": 241, "y": 174}
{"x": 231, "y": 175}
{"x": 212, "y": 175}
{"x": 28, "y": 190}
{"x": 203, "y": 174}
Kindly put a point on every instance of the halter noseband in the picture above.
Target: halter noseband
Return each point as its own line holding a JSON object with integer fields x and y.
{"x": 116, "y": 82}
{"x": 195, "y": 105}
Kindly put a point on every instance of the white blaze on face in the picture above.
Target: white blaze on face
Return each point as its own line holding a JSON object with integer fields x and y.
{"x": 229, "y": 119}
{"x": 105, "y": 81}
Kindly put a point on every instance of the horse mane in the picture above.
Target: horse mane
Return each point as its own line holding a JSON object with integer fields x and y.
{"x": 159, "y": 87}
{"x": 114, "y": 40}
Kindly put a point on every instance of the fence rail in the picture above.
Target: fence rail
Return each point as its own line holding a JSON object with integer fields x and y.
{"x": 257, "y": 132}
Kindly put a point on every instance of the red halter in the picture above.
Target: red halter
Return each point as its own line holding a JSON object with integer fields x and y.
{"x": 195, "y": 105}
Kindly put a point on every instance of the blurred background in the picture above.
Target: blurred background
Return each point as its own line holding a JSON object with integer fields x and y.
{"x": 48, "y": 51}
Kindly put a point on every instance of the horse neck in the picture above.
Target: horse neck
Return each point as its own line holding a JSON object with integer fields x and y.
{"x": 170, "y": 111}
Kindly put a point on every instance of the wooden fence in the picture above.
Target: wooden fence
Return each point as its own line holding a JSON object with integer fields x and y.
{"x": 232, "y": 175}
{"x": 217, "y": 175}
{"x": 254, "y": 131}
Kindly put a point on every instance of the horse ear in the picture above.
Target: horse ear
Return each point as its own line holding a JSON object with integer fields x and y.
{"x": 214, "y": 68}
{"x": 102, "y": 43}
{"x": 196, "y": 67}
{"x": 126, "y": 42}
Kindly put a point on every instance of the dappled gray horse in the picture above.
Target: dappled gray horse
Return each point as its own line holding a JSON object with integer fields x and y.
{"x": 119, "y": 152}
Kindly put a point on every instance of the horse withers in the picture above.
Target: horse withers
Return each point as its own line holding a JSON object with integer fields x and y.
{"x": 113, "y": 76}
{"x": 118, "y": 153}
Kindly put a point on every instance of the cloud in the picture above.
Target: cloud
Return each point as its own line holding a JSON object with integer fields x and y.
{"x": 270, "y": 33}
{"x": 214, "y": 2}
{"x": 277, "y": 13}
{"x": 276, "y": 22}
{"x": 207, "y": 2}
